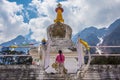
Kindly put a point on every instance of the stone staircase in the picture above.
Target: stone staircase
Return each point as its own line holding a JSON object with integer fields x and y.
{"x": 102, "y": 72}
{"x": 17, "y": 72}
{"x": 26, "y": 72}
{"x": 33, "y": 72}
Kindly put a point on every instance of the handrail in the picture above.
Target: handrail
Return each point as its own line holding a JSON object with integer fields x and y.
{"x": 93, "y": 55}
{"x": 105, "y": 46}
{"x": 22, "y": 47}
{"x": 37, "y": 46}
{"x": 13, "y": 55}
{"x": 87, "y": 66}
{"x": 84, "y": 68}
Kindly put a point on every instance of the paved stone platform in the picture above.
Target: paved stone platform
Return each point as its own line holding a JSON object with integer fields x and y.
{"x": 71, "y": 65}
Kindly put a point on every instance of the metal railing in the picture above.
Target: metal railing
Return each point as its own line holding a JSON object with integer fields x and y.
{"x": 1, "y": 55}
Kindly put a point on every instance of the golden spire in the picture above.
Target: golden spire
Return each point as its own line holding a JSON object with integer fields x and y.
{"x": 59, "y": 11}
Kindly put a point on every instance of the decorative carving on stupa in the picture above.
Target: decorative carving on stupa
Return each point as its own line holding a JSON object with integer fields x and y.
{"x": 59, "y": 30}
{"x": 59, "y": 33}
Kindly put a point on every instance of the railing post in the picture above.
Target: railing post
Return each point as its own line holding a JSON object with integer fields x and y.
{"x": 43, "y": 51}
{"x": 84, "y": 67}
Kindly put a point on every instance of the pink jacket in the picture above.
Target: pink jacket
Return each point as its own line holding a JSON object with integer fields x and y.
{"x": 60, "y": 58}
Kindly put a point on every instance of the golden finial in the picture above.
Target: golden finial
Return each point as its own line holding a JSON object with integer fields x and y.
{"x": 59, "y": 5}
{"x": 59, "y": 11}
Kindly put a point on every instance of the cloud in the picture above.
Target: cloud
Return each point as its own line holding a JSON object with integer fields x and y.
{"x": 79, "y": 14}
{"x": 39, "y": 26}
{"x": 101, "y": 13}
{"x": 11, "y": 25}
{"x": 85, "y": 13}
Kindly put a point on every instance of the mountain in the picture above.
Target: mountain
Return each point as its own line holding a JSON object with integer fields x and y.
{"x": 113, "y": 26}
{"x": 20, "y": 41}
{"x": 90, "y": 34}
{"x": 113, "y": 39}
{"x": 109, "y": 35}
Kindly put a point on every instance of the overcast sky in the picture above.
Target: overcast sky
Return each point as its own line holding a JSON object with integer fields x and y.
{"x": 18, "y": 16}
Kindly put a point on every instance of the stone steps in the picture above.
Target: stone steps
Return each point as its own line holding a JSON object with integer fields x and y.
{"x": 95, "y": 72}
{"x": 100, "y": 73}
{"x": 32, "y": 78}
{"x": 99, "y": 76}
{"x": 27, "y": 75}
{"x": 88, "y": 76}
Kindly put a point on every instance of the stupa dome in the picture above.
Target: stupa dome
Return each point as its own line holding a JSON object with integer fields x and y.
{"x": 59, "y": 34}
{"x": 59, "y": 30}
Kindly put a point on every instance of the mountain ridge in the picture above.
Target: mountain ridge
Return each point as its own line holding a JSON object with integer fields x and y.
{"x": 91, "y": 35}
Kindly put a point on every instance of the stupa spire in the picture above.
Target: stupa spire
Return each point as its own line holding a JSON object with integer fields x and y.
{"x": 59, "y": 11}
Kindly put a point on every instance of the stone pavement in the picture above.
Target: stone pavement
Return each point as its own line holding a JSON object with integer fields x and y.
{"x": 71, "y": 65}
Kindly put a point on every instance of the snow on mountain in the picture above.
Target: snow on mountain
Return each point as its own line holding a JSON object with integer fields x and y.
{"x": 98, "y": 50}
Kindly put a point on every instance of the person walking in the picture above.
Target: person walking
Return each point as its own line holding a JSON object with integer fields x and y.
{"x": 60, "y": 58}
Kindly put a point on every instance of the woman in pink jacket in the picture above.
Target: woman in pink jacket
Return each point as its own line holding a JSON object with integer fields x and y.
{"x": 60, "y": 58}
